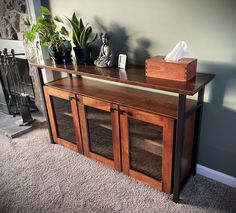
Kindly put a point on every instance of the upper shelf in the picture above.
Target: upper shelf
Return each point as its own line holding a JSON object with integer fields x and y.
{"x": 133, "y": 75}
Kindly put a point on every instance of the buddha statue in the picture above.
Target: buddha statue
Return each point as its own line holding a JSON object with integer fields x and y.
{"x": 105, "y": 58}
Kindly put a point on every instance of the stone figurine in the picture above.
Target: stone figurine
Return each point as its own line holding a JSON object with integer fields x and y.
{"x": 105, "y": 58}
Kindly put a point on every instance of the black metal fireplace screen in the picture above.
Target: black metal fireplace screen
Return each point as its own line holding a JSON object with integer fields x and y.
{"x": 16, "y": 88}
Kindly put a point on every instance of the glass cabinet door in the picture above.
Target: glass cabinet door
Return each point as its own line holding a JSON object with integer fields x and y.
{"x": 145, "y": 147}
{"x": 63, "y": 115}
{"x": 100, "y": 131}
{"x": 147, "y": 142}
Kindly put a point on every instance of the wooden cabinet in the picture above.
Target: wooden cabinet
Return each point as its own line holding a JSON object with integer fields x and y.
{"x": 111, "y": 132}
{"x": 150, "y": 136}
{"x": 63, "y": 117}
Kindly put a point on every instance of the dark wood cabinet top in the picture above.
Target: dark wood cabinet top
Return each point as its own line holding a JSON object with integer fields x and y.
{"x": 153, "y": 102}
{"x": 134, "y": 75}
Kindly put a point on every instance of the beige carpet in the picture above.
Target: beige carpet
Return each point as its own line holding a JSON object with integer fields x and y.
{"x": 36, "y": 176}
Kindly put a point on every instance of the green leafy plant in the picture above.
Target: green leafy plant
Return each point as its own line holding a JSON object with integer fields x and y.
{"x": 81, "y": 33}
{"x": 46, "y": 26}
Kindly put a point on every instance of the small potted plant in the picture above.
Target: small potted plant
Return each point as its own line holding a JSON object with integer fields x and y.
{"x": 80, "y": 36}
{"x": 59, "y": 48}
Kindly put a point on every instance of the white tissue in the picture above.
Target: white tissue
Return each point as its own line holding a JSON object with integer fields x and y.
{"x": 178, "y": 52}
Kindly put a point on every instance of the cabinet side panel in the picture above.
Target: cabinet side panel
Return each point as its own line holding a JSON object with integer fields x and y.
{"x": 186, "y": 161}
{"x": 167, "y": 157}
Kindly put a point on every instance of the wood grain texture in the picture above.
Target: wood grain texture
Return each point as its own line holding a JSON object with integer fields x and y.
{"x": 167, "y": 156}
{"x": 116, "y": 136}
{"x": 186, "y": 161}
{"x": 147, "y": 101}
{"x": 146, "y": 179}
{"x": 83, "y": 125}
{"x": 124, "y": 137}
{"x": 50, "y": 113}
{"x": 134, "y": 75}
{"x": 183, "y": 70}
{"x": 102, "y": 159}
{"x": 98, "y": 104}
{"x": 68, "y": 144}
{"x": 144, "y": 116}
{"x": 76, "y": 121}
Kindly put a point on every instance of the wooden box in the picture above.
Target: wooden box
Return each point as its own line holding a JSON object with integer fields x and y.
{"x": 183, "y": 70}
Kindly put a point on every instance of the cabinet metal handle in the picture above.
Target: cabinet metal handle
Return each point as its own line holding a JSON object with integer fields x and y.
{"x": 71, "y": 98}
{"x": 113, "y": 109}
{"x": 125, "y": 112}
{"x": 122, "y": 111}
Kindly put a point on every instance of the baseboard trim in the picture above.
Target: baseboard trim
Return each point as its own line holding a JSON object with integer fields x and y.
{"x": 215, "y": 175}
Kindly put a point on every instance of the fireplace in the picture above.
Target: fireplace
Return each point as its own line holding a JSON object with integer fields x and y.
{"x": 16, "y": 87}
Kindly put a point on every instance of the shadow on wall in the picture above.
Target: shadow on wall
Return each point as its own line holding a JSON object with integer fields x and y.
{"x": 141, "y": 52}
{"x": 217, "y": 148}
{"x": 119, "y": 42}
{"x": 118, "y": 37}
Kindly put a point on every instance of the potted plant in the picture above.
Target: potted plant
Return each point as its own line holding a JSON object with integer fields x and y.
{"x": 80, "y": 36}
{"x": 59, "y": 48}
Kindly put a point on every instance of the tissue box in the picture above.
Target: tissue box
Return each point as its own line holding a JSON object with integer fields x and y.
{"x": 183, "y": 70}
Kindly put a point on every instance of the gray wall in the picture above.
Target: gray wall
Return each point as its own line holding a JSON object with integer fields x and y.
{"x": 147, "y": 28}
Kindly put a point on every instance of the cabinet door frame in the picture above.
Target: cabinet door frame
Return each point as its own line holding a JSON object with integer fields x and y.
{"x": 49, "y": 92}
{"x": 167, "y": 146}
{"x": 108, "y": 107}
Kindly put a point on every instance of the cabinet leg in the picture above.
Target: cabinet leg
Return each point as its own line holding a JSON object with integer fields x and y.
{"x": 197, "y": 130}
{"x": 41, "y": 83}
{"x": 179, "y": 147}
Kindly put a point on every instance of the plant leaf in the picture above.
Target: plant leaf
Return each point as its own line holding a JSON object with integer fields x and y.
{"x": 75, "y": 32}
{"x": 64, "y": 31}
{"x": 44, "y": 11}
{"x": 75, "y": 19}
{"x": 80, "y": 32}
{"x": 88, "y": 31}
{"x": 90, "y": 42}
{"x": 58, "y": 19}
{"x": 81, "y": 26}
{"x": 30, "y": 35}
{"x": 81, "y": 38}
{"x": 75, "y": 39}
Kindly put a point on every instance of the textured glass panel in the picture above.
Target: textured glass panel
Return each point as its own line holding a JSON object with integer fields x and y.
{"x": 146, "y": 148}
{"x": 100, "y": 132}
{"x": 63, "y": 119}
